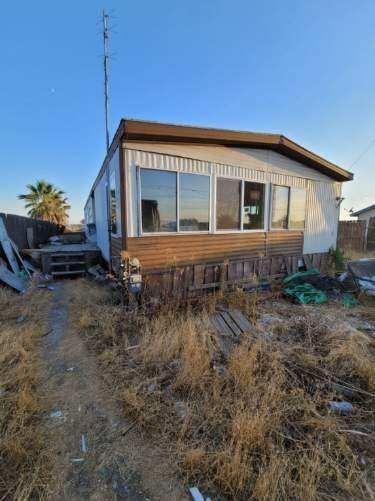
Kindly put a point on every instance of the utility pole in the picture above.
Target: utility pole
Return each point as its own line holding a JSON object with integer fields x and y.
{"x": 105, "y": 18}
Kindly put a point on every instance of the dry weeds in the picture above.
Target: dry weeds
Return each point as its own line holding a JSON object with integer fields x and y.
{"x": 24, "y": 465}
{"x": 254, "y": 425}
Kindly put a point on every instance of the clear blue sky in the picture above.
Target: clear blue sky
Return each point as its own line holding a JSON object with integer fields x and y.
{"x": 303, "y": 68}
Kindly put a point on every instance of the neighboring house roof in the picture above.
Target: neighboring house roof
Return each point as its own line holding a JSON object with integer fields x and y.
{"x": 143, "y": 130}
{"x": 359, "y": 212}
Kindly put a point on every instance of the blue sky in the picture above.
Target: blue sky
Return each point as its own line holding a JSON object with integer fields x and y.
{"x": 306, "y": 69}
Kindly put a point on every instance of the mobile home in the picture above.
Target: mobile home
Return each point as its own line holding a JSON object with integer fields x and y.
{"x": 176, "y": 195}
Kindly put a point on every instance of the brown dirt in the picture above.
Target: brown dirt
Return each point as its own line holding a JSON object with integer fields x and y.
{"x": 119, "y": 462}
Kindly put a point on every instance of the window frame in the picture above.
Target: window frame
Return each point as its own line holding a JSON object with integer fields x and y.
{"x": 291, "y": 188}
{"x": 141, "y": 233}
{"x": 189, "y": 232}
{"x": 271, "y": 228}
{"x": 212, "y": 196}
{"x": 117, "y": 233}
{"x": 242, "y": 181}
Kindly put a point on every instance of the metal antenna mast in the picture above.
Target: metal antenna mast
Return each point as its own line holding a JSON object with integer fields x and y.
{"x": 105, "y": 18}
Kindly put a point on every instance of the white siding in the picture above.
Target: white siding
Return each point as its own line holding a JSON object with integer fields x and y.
{"x": 256, "y": 159}
{"x": 322, "y": 216}
{"x": 366, "y": 216}
{"x": 257, "y": 165}
{"x": 101, "y": 216}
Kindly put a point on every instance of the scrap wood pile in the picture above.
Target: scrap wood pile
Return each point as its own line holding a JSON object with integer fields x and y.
{"x": 14, "y": 271}
{"x": 281, "y": 408}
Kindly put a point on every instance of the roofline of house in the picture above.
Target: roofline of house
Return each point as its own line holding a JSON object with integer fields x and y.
{"x": 145, "y": 130}
{"x": 359, "y": 212}
{"x": 156, "y": 131}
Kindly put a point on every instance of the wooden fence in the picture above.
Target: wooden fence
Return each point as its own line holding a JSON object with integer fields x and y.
{"x": 253, "y": 272}
{"x": 24, "y": 230}
{"x": 371, "y": 235}
{"x": 352, "y": 236}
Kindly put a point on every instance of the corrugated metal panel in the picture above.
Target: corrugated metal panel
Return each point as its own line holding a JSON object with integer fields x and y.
{"x": 321, "y": 216}
{"x": 249, "y": 158}
{"x": 164, "y": 251}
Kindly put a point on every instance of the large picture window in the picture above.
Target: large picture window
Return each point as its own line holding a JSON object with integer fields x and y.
{"x": 253, "y": 206}
{"x": 228, "y": 203}
{"x": 194, "y": 202}
{"x": 158, "y": 200}
{"x": 113, "y": 202}
{"x": 297, "y": 209}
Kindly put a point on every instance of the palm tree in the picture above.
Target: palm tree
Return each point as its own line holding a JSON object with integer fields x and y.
{"x": 45, "y": 201}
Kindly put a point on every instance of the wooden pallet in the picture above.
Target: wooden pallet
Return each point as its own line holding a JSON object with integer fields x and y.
{"x": 230, "y": 322}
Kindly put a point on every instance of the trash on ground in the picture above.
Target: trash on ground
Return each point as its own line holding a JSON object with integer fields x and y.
{"x": 56, "y": 415}
{"x": 196, "y": 494}
{"x": 363, "y": 273}
{"x": 344, "y": 408}
{"x": 77, "y": 460}
{"x": 97, "y": 272}
{"x": 312, "y": 287}
{"x": 83, "y": 444}
{"x": 12, "y": 279}
{"x": 348, "y": 300}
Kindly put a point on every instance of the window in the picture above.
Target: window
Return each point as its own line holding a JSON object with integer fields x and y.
{"x": 288, "y": 208}
{"x": 228, "y": 202}
{"x": 158, "y": 200}
{"x": 253, "y": 206}
{"x": 194, "y": 202}
{"x": 112, "y": 202}
{"x": 280, "y": 207}
{"x": 297, "y": 209}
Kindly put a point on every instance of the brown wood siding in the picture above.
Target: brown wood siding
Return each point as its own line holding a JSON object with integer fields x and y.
{"x": 116, "y": 248}
{"x": 158, "y": 252}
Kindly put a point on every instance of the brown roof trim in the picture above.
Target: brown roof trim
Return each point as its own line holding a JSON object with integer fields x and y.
{"x": 139, "y": 130}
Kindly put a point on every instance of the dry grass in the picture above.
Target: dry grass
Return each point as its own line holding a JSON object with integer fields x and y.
{"x": 255, "y": 424}
{"x": 24, "y": 471}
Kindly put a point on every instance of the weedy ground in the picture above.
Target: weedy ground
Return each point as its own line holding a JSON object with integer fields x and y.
{"x": 254, "y": 421}
{"x": 24, "y": 461}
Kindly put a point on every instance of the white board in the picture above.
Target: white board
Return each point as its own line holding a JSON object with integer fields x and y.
{"x": 8, "y": 248}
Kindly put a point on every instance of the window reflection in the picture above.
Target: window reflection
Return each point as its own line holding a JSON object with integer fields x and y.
{"x": 280, "y": 203}
{"x": 112, "y": 203}
{"x": 194, "y": 202}
{"x": 159, "y": 207}
{"x": 297, "y": 208}
{"x": 228, "y": 201}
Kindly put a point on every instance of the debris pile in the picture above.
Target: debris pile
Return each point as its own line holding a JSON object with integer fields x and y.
{"x": 312, "y": 287}
{"x": 363, "y": 273}
{"x": 14, "y": 271}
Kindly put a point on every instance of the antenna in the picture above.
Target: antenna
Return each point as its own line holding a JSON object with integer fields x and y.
{"x": 105, "y": 18}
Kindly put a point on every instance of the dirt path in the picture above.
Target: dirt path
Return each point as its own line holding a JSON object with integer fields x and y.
{"x": 98, "y": 455}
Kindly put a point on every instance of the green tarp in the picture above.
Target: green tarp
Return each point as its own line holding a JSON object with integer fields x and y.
{"x": 306, "y": 294}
